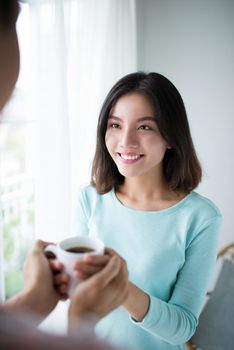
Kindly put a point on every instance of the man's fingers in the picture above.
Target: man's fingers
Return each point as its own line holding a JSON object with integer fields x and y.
{"x": 61, "y": 278}
{"x": 62, "y": 289}
{"x": 63, "y": 297}
{"x": 63, "y": 293}
{"x": 41, "y": 245}
{"x": 55, "y": 265}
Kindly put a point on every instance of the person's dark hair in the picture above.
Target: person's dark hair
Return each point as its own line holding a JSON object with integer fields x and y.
{"x": 181, "y": 167}
{"x": 9, "y": 10}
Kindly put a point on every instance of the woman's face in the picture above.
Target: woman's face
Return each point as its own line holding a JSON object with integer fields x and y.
{"x": 133, "y": 138}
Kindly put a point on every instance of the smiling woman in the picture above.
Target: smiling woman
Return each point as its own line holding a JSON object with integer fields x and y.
{"x": 153, "y": 97}
{"x": 142, "y": 203}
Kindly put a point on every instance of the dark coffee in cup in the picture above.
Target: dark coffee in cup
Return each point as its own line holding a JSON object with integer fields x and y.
{"x": 80, "y": 249}
{"x": 71, "y": 250}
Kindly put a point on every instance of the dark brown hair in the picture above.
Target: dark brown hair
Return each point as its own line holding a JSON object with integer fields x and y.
{"x": 181, "y": 167}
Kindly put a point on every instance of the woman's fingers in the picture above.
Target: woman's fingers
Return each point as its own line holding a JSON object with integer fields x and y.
{"x": 87, "y": 268}
{"x": 108, "y": 273}
{"x": 86, "y": 271}
{"x": 111, "y": 252}
{"x": 90, "y": 265}
{"x": 81, "y": 275}
{"x": 99, "y": 260}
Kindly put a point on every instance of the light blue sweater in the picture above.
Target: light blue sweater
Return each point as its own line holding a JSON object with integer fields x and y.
{"x": 170, "y": 255}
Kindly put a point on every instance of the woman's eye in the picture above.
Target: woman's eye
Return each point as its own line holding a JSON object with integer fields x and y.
{"x": 145, "y": 127}
{"x": 114, "y": 126}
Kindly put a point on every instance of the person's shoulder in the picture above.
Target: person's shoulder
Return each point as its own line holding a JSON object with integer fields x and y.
{"x": 88, "y": 193}
{"x": 91, "y": 201}
{"x": 204, "y": 205}
{"x": 87, "y": 190}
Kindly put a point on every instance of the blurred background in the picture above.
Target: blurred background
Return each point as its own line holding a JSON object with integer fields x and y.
{"x": 72, "y": 52}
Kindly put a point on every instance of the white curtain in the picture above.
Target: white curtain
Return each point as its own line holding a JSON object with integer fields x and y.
{"x": 50, "y": 107}
{"x": 103, "y": 49}
{"x": 73, "y": 51}
{"x": 79, "y": 49}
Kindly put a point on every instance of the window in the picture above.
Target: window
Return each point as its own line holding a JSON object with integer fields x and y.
{"x": 17, "y": 199}
{"x": 16, "y": 176}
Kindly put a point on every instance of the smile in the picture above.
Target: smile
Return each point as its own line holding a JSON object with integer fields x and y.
{"x": 129, "y": 158}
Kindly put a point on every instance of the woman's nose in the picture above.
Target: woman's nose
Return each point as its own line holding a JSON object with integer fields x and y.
{"x": 128, "y": 139}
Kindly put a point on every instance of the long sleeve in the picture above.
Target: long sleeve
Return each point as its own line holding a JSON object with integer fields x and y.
{"x": 175, "y": 321}
{"x": 170, "y": 255}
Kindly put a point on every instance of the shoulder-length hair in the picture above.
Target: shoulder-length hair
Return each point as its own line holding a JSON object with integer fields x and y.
{"x": 181, "y": 167}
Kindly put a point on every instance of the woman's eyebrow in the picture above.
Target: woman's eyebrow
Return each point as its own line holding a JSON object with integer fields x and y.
{"x": 147, "y": 118}
{"x": 141, "y": 119}
{"x": 114, "y": 117}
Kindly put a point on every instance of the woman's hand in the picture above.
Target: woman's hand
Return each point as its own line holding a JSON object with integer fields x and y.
{"x": 92, "y": 264}
{"x": 103, "y": 289}
{"x": 136, "y": 304}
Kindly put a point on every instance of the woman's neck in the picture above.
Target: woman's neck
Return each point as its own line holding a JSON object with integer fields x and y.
{"x": 143, "y": 189}
{"x": 143, "y": 194}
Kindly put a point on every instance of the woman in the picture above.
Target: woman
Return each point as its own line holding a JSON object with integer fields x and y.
{"x": 142, "y": 203}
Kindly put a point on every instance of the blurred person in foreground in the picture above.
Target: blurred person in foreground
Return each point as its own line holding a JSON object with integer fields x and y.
{"x": 45, "y": 283}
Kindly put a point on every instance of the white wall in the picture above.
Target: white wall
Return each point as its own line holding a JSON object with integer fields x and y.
{"x": 192, "y": 43}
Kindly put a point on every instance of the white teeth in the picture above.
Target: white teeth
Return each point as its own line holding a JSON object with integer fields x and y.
{"x": 129, "y": 157}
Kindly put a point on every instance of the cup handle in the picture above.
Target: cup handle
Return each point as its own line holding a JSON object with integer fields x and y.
{"x": 51, "y": 248}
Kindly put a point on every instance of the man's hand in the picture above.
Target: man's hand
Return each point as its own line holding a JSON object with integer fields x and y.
{"x": 101, "y": 293}
{"x": 38, "y": 279}
{"x": 39, "y": 295}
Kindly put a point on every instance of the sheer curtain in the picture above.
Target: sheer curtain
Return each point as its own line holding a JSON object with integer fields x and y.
{"x": 79, "y": 49}
{"x": 50, "y": 107}
{"x": 103, "y": 49}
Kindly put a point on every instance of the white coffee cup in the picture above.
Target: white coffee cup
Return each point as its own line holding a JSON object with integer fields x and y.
{"x": 63, "y": 252}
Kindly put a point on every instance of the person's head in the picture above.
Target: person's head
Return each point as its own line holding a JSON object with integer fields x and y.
{"x": 160, "y": 98}
{"x": 9, "y": 50}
